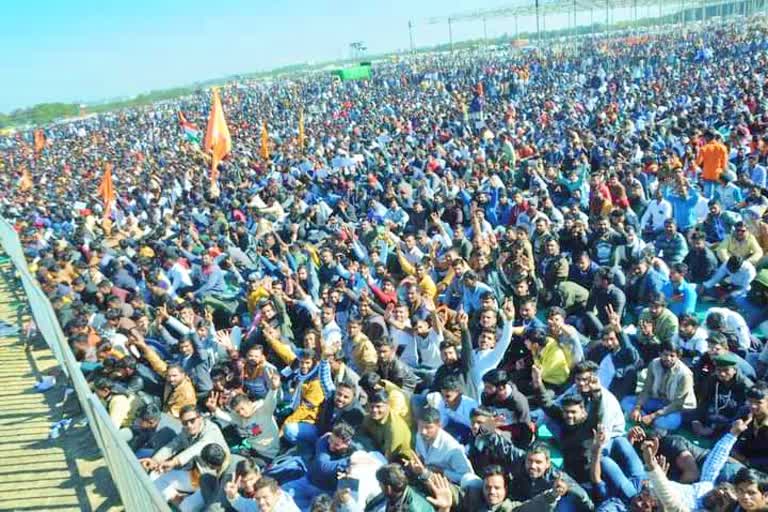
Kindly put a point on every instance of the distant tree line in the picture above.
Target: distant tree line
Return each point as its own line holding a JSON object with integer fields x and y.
{"x": 46, "y": 112}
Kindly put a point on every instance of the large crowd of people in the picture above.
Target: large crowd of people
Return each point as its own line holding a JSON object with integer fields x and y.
{"x": 478, "y": 281}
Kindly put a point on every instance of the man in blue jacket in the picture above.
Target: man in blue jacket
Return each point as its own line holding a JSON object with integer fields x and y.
{"x": 681, "y": 295}
{"x": 333, "y": 453}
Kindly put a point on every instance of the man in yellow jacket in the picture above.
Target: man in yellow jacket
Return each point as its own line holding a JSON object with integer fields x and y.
{"x": 549, "y": 357}
{"x": 740, "y": 243}
{"x": 308, "y": 398}
{"x": 364, "y": 355}
{"x": 122, "y": 406}
{"x": 179, "y": 390}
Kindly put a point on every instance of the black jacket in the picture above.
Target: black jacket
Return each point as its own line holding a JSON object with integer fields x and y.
{"x": 490, "y": 448}
{"x": 525, "y": 487}
{"x": 461, "y": 370}
{"x": 399, "y": 373}
{"x": 576, "y": 441}
{"x": 702, "y": 264}
{"x": 329, "y": 416}
{"x": 727, "y": 400}
{"x": 601, "y": 298}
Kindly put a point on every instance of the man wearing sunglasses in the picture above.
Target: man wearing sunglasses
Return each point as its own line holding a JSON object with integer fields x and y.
{"x": 176, "y": 466}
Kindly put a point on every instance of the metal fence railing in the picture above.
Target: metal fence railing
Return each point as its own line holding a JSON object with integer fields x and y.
{"x": 136, "y": 490}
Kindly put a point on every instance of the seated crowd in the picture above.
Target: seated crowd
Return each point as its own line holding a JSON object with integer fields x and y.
{"x": 565, "y": 315}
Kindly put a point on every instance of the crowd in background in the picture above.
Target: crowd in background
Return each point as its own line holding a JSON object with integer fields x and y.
{"x": 479, "y": 281}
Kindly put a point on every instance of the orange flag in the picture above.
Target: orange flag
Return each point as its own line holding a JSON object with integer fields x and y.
{"x": 301, "y": 129}
{"x": 217, "y": 139}
{"x": 264, "y": 141}
{"x": 107, "y": 190}
{"x": 39, "y": 140}
{"x": 25, "y": 182}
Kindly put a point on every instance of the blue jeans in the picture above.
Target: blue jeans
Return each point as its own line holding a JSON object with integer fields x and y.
{"x": 670, "y": 421}
{"x": 300, "y": 432}
{"x": 617, "y": 481}
{"x": 620, "y": 450}
{"x": 569, "y": 503}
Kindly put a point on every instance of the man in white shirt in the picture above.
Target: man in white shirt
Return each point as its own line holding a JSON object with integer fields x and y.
{"x": 586, "y": 383}
{"x": 331, "y": 331}
{"x": 657, "y": 211}
{"x": 735, "y": 276}
{"x": 436, "y": 448}
{"x": 491, "y": 349}
{"x": 725, "y": 320}
{"x": 267, "y": 497}
{"x": 401, "y": 331}
{"x": 179, "y": 275}
{"x": 692, "y": 339}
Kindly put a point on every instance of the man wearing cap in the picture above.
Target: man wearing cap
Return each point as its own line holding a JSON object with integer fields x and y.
{"x": 721, "y": 398}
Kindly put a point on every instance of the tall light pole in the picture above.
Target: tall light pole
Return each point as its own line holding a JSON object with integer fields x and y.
{"x": 574, "y": 17}
{"x": 410, "y": 34}
{"x": 538, "y": 28}
{"x": 450, "y": 33}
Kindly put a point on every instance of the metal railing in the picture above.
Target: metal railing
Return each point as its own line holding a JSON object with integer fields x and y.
{"x": 136, "y": 490}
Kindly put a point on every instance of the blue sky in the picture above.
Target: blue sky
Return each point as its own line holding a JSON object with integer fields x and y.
{"x": 84, "y": 50}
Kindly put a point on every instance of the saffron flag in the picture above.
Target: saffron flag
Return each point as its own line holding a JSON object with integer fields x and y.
{"x": 25, "y": 182}
{"x": 107, "y": 190}
{"x": 39, "y": 140}
{"x": 191, "y": 131}
{"x": 301, "y": 129}
{"x": 217, "y": 139}
{"x": 264, "y": 141}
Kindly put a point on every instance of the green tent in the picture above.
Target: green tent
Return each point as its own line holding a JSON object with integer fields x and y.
{"x": 354, "y": 73}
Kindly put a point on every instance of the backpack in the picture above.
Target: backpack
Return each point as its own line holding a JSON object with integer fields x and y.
{"x": 286, "y": 468}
